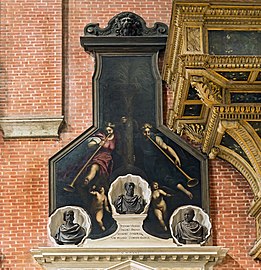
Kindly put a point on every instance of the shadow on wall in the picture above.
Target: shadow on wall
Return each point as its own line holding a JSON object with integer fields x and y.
{"x": 229, "y": 263}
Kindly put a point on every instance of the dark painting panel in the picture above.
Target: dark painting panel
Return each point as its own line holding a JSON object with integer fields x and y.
{"x": 127, "y": 89}
{"x": 236, "y": 75}
{"x": 245, "y": 97}
{"x": 192, "y": 94}
{"x": 192, "y": 110}
{"x": 226, "y": 42}
{"x": 230, "y": 143}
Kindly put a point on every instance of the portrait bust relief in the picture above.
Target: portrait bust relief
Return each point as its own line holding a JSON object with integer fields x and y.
{"x": 129, "y": 194}
{"x": 190, "y": 225}
{"x": 69, "y": 225}
{"x": 129, "y": 203}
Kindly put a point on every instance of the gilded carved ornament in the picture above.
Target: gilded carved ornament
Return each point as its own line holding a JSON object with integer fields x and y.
{"x": 195, "y": 132}
{"x": 193, "y": 42}
{"x": 214, "y": 152}
{"x": 212, "y": 16}
{"x": 249, "y": 146}
{"x": 175, "y": 110}
{"x": 255, "y": 211}
{"x": 184, "y": 58}
{"x": 243, "y": 112}
{"x": 237, "y": 130}
{"x": 253, "y": 133}
{"x": 209, "y": 92}
{"x": 219, "y": 14}
{"x": 218, "y": 61}
{"x": 226, "y": 124}
{"x": 238, "y": 13}
{"x": 255, "y": 252}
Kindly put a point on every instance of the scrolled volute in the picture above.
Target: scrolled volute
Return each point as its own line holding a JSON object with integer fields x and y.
{"x": 209, "y": 92}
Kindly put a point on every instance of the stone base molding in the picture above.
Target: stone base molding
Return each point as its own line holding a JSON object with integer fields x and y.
{"x": 30, "y": 127}
{"x": 185, "y": 258}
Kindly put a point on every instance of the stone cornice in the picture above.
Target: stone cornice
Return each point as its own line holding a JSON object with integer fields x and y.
{"x": 30, "y": 127}
{"x": 185, "y": 257}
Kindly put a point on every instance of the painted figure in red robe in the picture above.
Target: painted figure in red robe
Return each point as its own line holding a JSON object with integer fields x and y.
{"x": 102, "y": 163}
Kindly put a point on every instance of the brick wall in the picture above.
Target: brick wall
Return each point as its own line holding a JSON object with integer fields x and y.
{"x": 44, "y": 71}
{"x": 31, "y": 57}
{"x": 230, "y": 199}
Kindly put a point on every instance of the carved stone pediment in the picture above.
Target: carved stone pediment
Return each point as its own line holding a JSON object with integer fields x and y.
{"x": 132, "y": 265}
{"x": 214, "y": 77}
{"x": 126, "y": 24}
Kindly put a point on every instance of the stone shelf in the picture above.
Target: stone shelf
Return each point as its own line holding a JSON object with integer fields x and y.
{"x": 185, "y": 257}
{"x": 30, "y": 127}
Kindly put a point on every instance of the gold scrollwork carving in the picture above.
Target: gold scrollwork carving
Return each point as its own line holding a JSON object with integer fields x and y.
{"x": 199, "y": 9}
{"x": 214, "y": 152}
{"x": 208, "y": 91}
{"x": 227, "y": 124}
{"x": 233, "y": 61}
{"x": 170, "y": 119}
{"x": 194, "y": 132}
